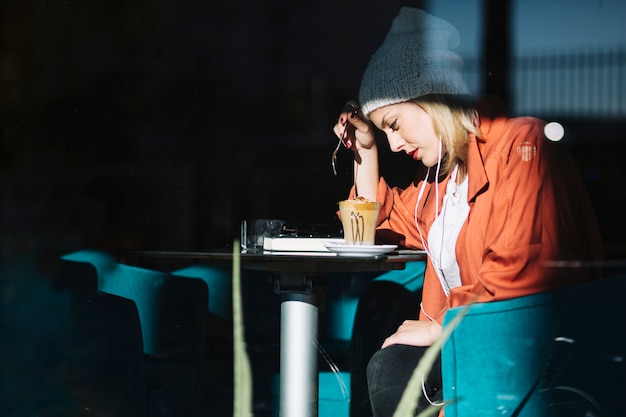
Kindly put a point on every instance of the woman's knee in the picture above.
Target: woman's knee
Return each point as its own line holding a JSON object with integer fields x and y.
{"x": 380, "y": 364}
{"x": 388, "y": 374}
{"x": 393, "y": 365}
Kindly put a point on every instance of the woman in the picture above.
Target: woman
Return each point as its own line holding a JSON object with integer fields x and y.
{"x": 493, "y": 203}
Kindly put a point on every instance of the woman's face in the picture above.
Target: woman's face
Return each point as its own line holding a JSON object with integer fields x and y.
{"x": 409, "y": 129}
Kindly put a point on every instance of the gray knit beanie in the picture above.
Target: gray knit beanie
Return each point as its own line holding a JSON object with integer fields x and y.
{"x": 415, "y": 59}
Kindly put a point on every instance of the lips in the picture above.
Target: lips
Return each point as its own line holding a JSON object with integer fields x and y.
{"x": 413, "y": 154}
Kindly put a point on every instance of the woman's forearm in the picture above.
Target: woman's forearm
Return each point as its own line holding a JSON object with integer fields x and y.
{"x": 366, "y": 174}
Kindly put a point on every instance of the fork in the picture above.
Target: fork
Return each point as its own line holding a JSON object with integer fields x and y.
{"x": 333, "y": 160}
{"x": 352, "y": 107}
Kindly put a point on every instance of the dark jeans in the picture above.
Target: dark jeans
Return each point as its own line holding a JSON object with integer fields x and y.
{"x": 383, "y": 306}
{"x": 388, "y": 374}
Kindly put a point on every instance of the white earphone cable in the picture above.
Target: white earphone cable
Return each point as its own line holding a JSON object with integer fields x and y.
{"x": 419, "y": 197}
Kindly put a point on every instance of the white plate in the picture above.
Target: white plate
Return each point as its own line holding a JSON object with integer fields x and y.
{"x": 343, "y": 249}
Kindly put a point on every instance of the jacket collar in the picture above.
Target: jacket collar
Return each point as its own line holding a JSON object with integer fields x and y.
{"x": 478, "y": 181}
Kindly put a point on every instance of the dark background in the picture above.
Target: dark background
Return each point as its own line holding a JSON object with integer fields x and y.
{"x": 159, "y": 124}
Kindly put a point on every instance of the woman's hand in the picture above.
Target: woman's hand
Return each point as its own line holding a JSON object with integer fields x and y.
{"x": 415, "y": 333}
{"x": 356, "y": 132}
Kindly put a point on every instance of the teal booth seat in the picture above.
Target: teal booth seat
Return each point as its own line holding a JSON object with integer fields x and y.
{"x": 558, "y": 353}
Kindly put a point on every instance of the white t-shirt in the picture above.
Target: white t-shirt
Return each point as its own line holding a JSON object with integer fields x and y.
{"x": 444, "y": 232}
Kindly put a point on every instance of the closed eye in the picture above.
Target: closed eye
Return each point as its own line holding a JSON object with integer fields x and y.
{"x": 394, "y": 125}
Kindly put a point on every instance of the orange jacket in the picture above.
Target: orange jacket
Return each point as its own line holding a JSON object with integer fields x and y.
{"x": 528, "y": 206}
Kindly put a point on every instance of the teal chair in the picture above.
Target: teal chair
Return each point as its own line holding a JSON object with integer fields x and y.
{"x": 558, "y": 353}
{"x": 173, "y": 317}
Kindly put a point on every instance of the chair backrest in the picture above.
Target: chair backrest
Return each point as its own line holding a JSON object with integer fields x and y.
{"x": 76, "y": 276}
{"x": 107, "y": 354}
{"x": 219, "y": 282}
{"x": 172, "y": 310}
{"x": 558, "y": 353}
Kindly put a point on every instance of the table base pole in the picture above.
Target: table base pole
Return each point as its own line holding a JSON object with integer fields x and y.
{"x": 298, "y": 353}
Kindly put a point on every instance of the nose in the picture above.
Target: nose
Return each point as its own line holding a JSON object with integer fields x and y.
{"x": 395, "y": 142}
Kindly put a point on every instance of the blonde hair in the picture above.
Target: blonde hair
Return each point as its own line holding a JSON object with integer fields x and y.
{"x": 454, "y": 119}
